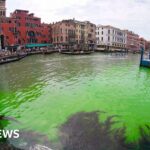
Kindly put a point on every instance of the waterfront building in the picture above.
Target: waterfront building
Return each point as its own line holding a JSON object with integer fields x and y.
{"x": 8, "y": 30}
{"x": 75, "y": 32}
{"x": 110, "y": 38}
{"x": 63, "y": 33}
{"x": 85, "y": 33}
{"x": 133, "y": 44}
{"x": 80, "y": 32}
{"x": 90, "y": 34}
{"x": 2, "y": 15}
{"x": 23, "y": 27}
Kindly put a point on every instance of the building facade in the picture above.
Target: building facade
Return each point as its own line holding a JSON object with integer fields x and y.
{"x": 23, "y": 27}
{"x": 85, "y": 33}
{"x": 2, "y": 15}
{"x": 63, "y": 33}
{"x": 90, "y": 34}
{"x": 110, "y": 38}
{"x": 75, "y": 32}
{"x": 133, "y": 44}
{"x": 2, "y": 8}
{"x": 80, "y": 29}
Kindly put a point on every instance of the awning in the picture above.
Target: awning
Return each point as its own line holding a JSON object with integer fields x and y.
{"x": 38, "y": 45}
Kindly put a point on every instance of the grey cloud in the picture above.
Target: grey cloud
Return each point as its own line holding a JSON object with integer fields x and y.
{"x": 126, "y": 15}
{"x": 131, "y": 14}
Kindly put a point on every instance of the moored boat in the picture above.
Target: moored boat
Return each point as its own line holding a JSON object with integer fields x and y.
{"x": 8, "y": 60}
{"x": 144, "y": 62}
{"x": 5, "y": 60}
{"x": 50, "y": 52}
{"x": 77, "y": 53}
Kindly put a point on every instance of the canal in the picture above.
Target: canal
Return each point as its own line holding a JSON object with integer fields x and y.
{"x": 77, "y": 101}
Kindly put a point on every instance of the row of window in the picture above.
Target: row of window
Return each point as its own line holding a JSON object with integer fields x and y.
{"x": 32, "y": 19}
{"x": 118, "y": 45}
{"x": 98, "y": 28}
{"x": 114, "y": 44}
{"x": 8, "y": 21}
{"x": 61, "y": 39}
{"x": 2, "y": 13}
{"x": 68, "y": 24}
{"x": 60, "y": 31}
{"x": 27, "y": 18}
{"x": 119, "y": 33}
{"x": 32, "y": 25}
{"x": 18, "y": 24}
{"x": 121, "y": 40}
{"x": 28, "y": 33}
{"x": 74, "y": 25}
{"x": 80, "y": 31}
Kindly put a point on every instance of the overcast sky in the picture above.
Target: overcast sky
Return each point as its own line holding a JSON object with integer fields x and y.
{"x": 125, "y": 14}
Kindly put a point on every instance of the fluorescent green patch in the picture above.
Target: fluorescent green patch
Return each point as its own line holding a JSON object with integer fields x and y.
{"x": 52, "y": 88}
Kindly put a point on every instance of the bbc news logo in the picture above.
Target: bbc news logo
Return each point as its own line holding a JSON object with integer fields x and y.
{"x": 8, "y": 134}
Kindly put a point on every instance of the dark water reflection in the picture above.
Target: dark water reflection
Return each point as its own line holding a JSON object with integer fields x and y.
{"x": 82, "y": 131}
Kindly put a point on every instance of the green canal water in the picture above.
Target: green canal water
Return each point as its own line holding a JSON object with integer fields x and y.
{"x": 43, "y": 92}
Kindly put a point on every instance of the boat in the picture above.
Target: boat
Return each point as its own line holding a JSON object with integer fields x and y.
{"x": 144, "y": 62}
{"x": 10, "y": 59}
{"x": 50, "y": 52}
{"x": 77, "y": 53}
{"x": 34, "y": 52}
{"x": 21, "y": 56}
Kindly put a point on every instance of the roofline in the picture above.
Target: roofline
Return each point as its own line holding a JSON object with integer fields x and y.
{"x": 109, "y": 26}
{"x": 22, "y": 10}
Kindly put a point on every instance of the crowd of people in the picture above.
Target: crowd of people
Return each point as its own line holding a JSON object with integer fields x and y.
{"x": 7, "y": 53}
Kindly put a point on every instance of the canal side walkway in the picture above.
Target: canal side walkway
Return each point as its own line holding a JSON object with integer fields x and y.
{"x": 8, "y": 57}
